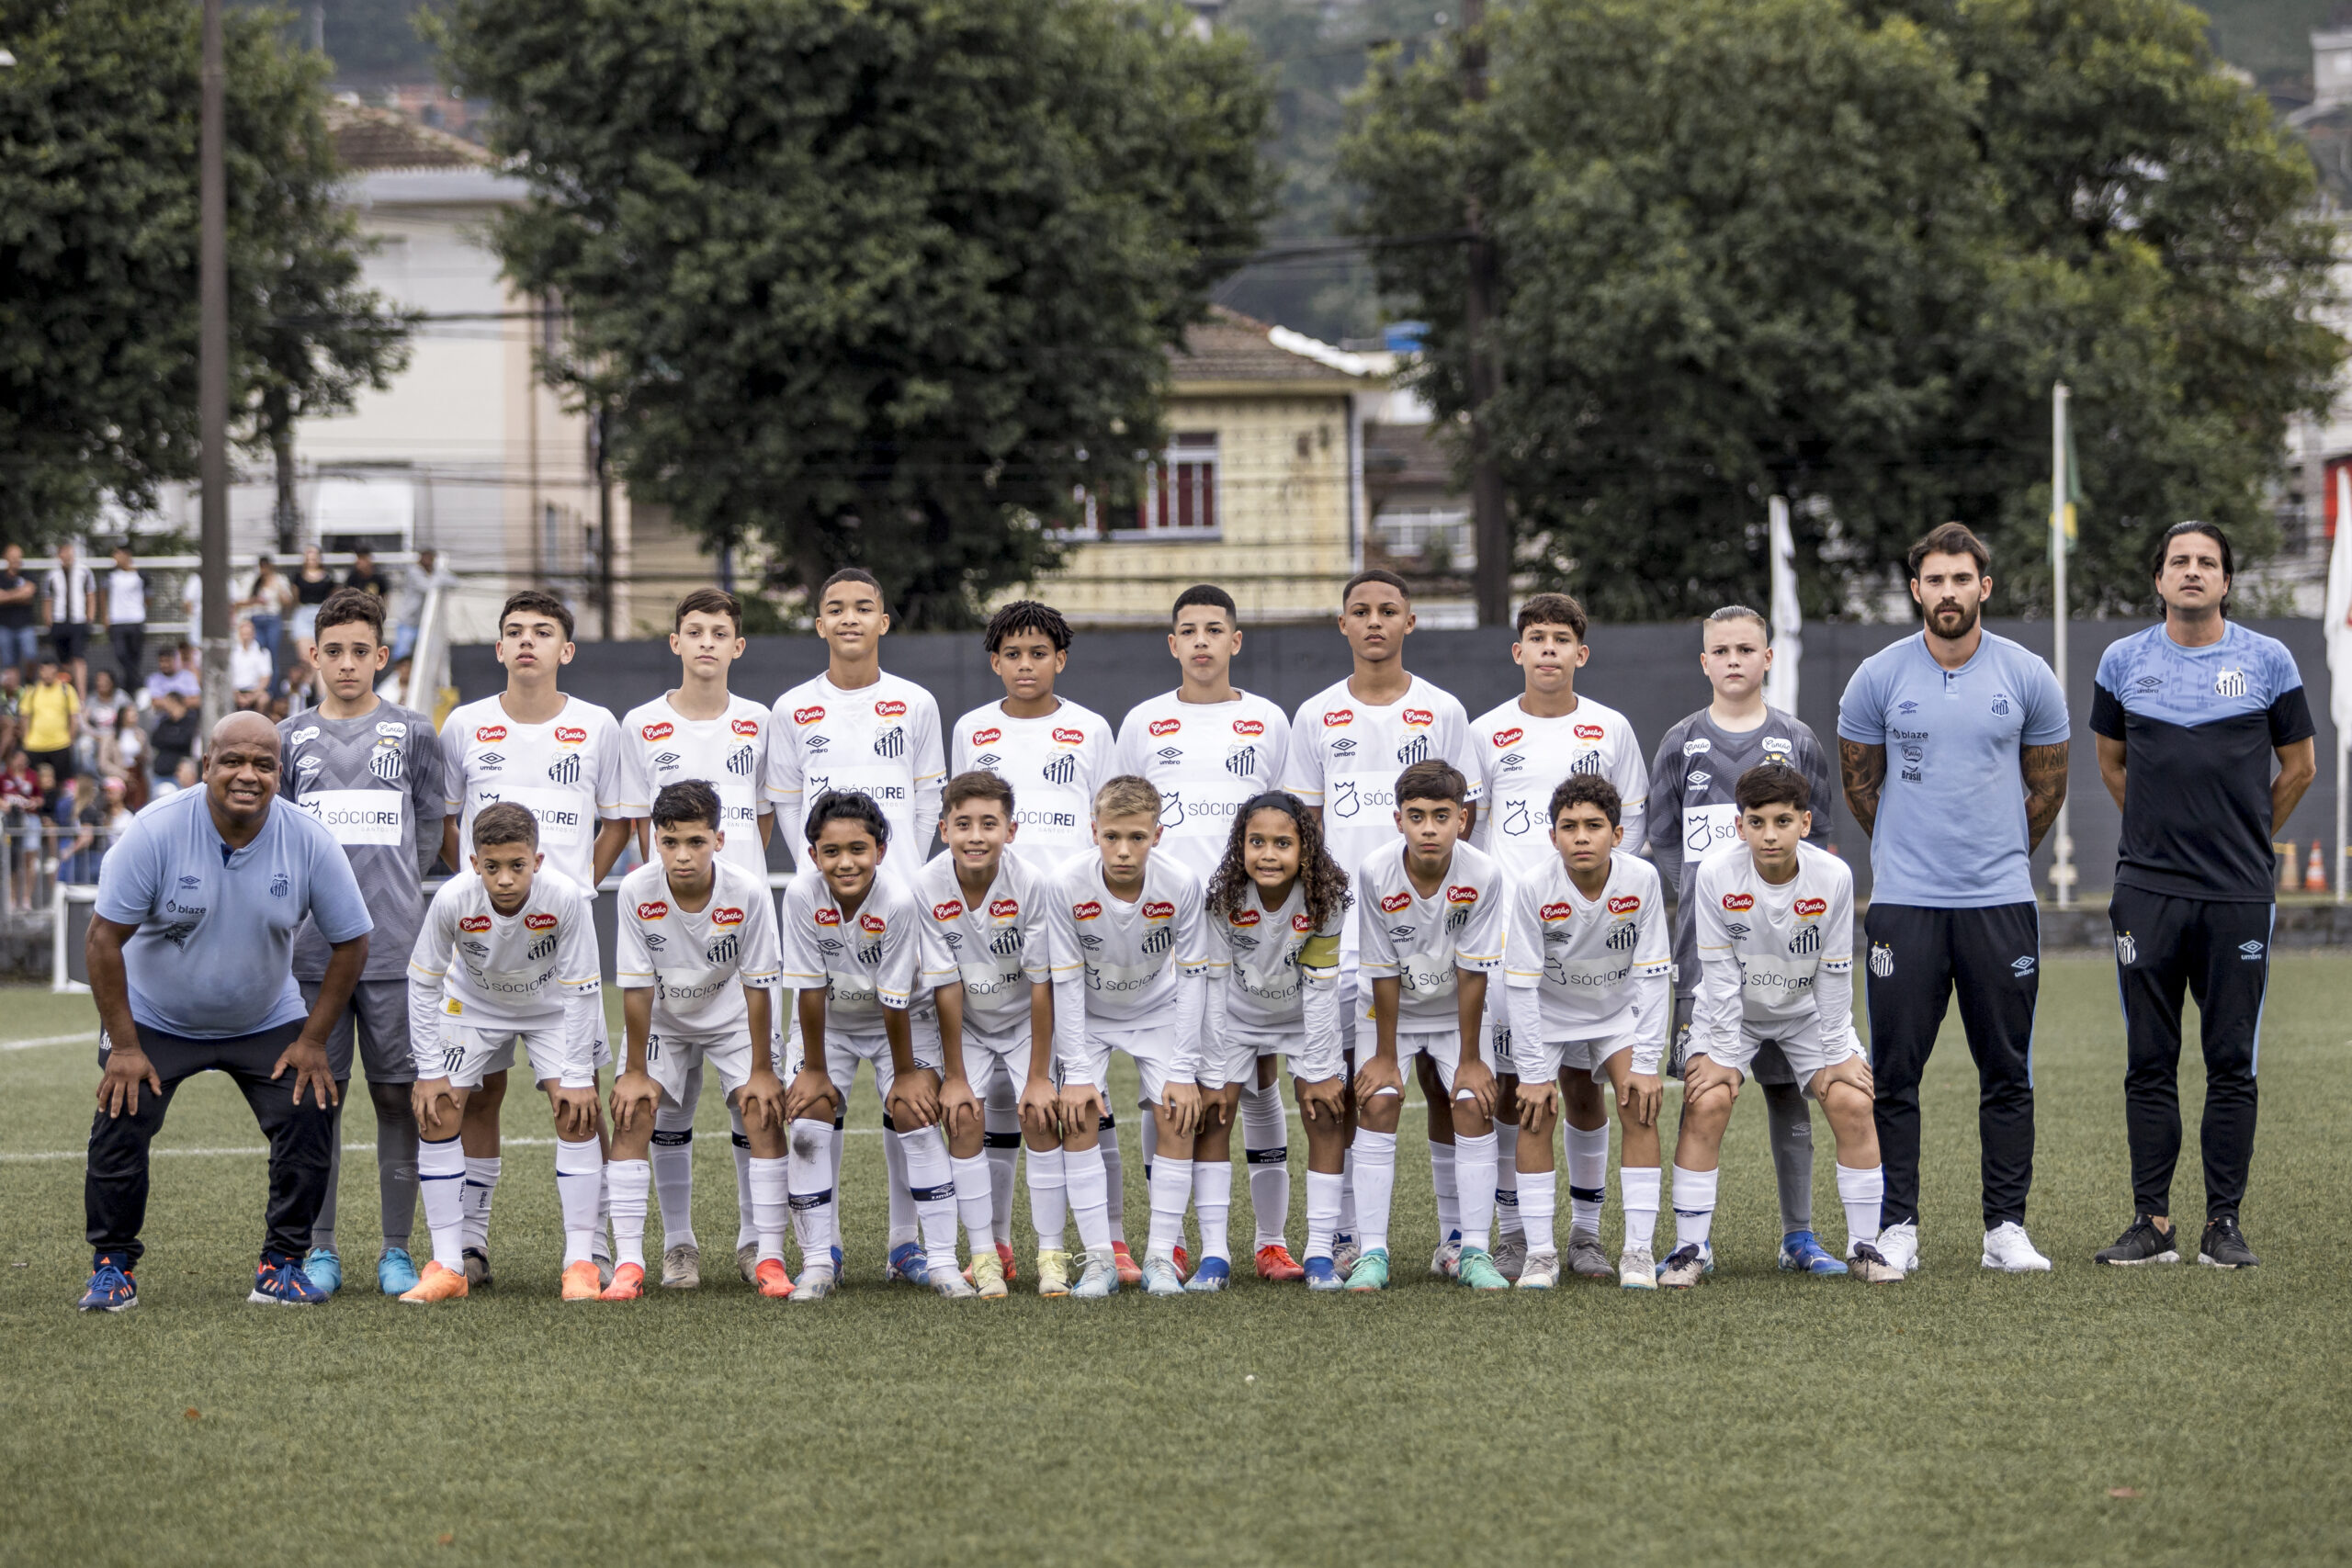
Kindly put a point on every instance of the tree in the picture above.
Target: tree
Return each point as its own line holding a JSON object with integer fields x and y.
{"x": 1839, "y": 253}
{"x": 885, "y": 285}
{"x": 98, "y": 254}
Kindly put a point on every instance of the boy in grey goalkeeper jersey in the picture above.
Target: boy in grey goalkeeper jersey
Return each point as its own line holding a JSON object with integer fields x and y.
{"x": 371, "y": 771}
{"x": 1692, "y": 813}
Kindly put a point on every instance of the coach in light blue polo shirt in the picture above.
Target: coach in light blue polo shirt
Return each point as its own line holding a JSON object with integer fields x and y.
{"x": 1953, "y": 744}
{"x": 190, "y": 953}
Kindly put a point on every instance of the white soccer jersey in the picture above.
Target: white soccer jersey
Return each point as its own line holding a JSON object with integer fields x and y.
{"x": 1422, "y": 942}
{"x": 1055, "y": 764}
{"x": 880, "y": 740}
{"x": 1778, "y": 962}
{"x": 1129, "y": 955}
{"x": 1578, "y": 970}
{"x": 1263, "y": 963}
{"x": 1205, "y": 759}
{"x": 697, "y": 963}
{"x": 867, "y": 962}
{"x": 998, "y": 945}
{"x": 661, "y": 746}
{"x": 530, "y": 970}
{"x": 1522, "y": 758}
{"x": 566, "y": 772}
{"x": 1345, "y": 756}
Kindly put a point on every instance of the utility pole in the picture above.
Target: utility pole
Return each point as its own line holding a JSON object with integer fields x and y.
{"x": 212, "y": 368}
{"x": 2061, "y": 862}
{"x": 603, "y": 437}
{"x": 1489, "y": 522}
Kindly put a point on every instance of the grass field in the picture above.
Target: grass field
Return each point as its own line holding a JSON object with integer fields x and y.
{"x": 2178, "y": 1416}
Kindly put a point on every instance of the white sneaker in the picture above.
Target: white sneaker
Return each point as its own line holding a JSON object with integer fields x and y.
{"x": 2010, "y": 1249}
{"x": 1636, "y": 1269}
{"x": 1899, "y": 1245}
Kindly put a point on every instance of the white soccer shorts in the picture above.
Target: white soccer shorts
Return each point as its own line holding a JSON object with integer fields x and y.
{"x": 1152, "y": 1049}
{"x": 991, "y": 1059}
{"x": 1544, "y": 1060}
{"x": 469, "y": 1054}
{"x": 845, "y": 1050}
{"x": 671, "y": 1057}
{"x": 1806, "y": 1055}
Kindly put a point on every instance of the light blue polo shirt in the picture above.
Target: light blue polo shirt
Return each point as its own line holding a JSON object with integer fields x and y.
{"x": 213, "y": 957}
{"x": 1951, "y": 830}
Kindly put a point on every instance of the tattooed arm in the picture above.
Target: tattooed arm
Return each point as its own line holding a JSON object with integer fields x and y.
{"x": 1865, "y": 771}
{"x": 2044, "y": 768}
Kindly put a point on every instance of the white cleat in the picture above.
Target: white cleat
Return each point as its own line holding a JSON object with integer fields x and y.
{"x": 681, "y": 1267}
{"x": 1864, "y": 1263}
{"x": 1899, "y": 1245}
{"x": 1160, "y": 1277}
{"x": 951, "y": 1285}
{"x": 1511, "y": 1256}
{"x": 1345, "y": 1254}
{"x": 1446, "y": 1261}
{"x": 2011, "y": 1250}
{"x": 1099, "y": 1278}
{"x": 815, "y": 1285}
{"x": 1636, "y": 1269}
{"x": 1540, "y": 1271}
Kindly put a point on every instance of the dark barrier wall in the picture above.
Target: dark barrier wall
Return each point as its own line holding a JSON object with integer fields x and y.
{"x": 1648, "y": 672}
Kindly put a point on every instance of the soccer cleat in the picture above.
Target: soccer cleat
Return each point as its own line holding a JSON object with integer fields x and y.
{"x": 1371, "y": 1273}
{"x": 816, "y": 1282}
{"x": 628, "y": 1283}
{"x": 438, "y": 1283}
{"x": 1899, "y": 1245}
{"x": 747, "y": 1262}
{"x": 2223, "y": 1245}
{"x": 1636, "y": 1269}
{"x": 1130, "y": 1271}
{"x": 604, "y": 1269}
{"x": 2144, "y": 1242}
{"x": 1184, "y": 1259}
{"x": 772, "y": 1281}
{"x": 396, "y": 1272}
{"x": 2008, "y": 1250}
{"x": 478, "y": 1275}
{"x": 279, "y": 1281}
{"x": 1213, "y": 1274}
{"x": 1683, "y": 1268}
{"x": 323, "y": 1268}
{"x": 987, "y": 1275}
{"x": 1161, "y": 1279}
{"x": 582, "y": 1281}
{"x": 1802, "y": 1253}
{"x": 951, "y": 1285}
{"x": 1053, "y": 1271}
{"x": 1323, "y": 1274}
{"x": 1345, "y": 1254}
{"x": 681, "y": 1267}
{"x": 1477, "y": 1270}
{"x": 111, "y": 1288}
{"x": 1274, "y": 1262}
{"x": 1447, "y": 1259}
{"x": 1539, "y": 1270}
{"x": 1098, "y": 1278}
{"x": 1585, "y": 1256}
{"x": 1511, "y": 1256}
{"x": 1870, "y": 1266}
{"x": 907, "y": 1263}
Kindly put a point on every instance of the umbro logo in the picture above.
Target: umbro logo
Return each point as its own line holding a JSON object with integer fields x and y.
{"x": 1170, "y": 754}
{"x": 987, "y": 760}
{"x": 2021, "y": 967}
{"x": 2250, "y": 950}
{"x": 2149, "y": 682}
{"x": 666, "y": 760}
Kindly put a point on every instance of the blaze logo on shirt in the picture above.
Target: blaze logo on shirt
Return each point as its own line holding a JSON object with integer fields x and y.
{"x": 890, "y": 710}
{"x": 872, "y": 924}
{"x": 1249, "y": 727}
{"x": 1511, "y": 737}
{"x": 987, "y": 737}
{"x": 807, "y": 716}
{"x": 1589, "y": 732}
{"x": 1159, "y": 910}
{"x": 829, "y": 916}
{"x": 1339, "y": 719}
{"x": 1417, "y": 719}
{"x": 490, "y": 733}
{"x": 1161, "y": 727}
{"x": 541, "y": 922}
{"x": 1559, "y": 911}
{"x": 1624, "y": 904}
{"x": 1300, "y": 924}
{"x": 1808, "y": 907}
{"x": 654, "y": 911}
{"x": 658, "y": 731}
{"x": 1069, "y": 736}
{"x": 745, "y": 727}
{"x": 1085, "y": 911}
{"x": 568, "y": 735}
{"x": 1244, "y": 918}
{"x": 1004, "y": 909}
{"x": 1395, "y": 902}
{"x": 727, "y": 916}
{"x": 474, "y": 923}
{"x": 952, "y": 909}
{"x": 1738, "y": 902}
{"x": 1461, "y": 894}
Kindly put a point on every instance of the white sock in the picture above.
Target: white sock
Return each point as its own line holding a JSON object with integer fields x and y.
{"x": 1539, "y": 1201}
{"x": 579, "y": 1188}
{"x": 747, "y": 1227}
{"x": 771, "y": 1182}
{"x": 1049, "y": 1199}
{"x": 441, "y": 1183}
{"x": 1376, "y": 1181}
{"x": 809, "y": 1175}
{"x": 1860, "y": 1192}
{"x": 903, "y": 1220}
{"x": 481, "y": 1185}
{"x": 1587, "y": 1177}
{"x": 1114, "y": 1185}
{"x": 1347, "y": 1191}
{"x": 1084, "y": 1177}
{"x": 976, "y": 1200}
{"x": 1447, "y": 1184}
{"x": 930, "y": 1187}
{"x": 628, "y": 1181}
{"x": 1213, "y": 1201}
{"x": 1474, "y": 1162}
{"x": 1171, "y": 1193}
{"x": 673, "y": 1159}
{"x": 1003, "y": 1141}
{"x": 1323, "y": 1191}
{"x": 1637, "y": 1187}
{"x": 1694, "y": 1206}
{"x": 1507, "y": 1225}
{"x": 1265, "y": 1134}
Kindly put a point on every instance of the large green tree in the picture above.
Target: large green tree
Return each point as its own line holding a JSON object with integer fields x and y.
{"x": 99, "y": 254}
{"x": 884, "y": 284}
{"x": 1839, "y": 252}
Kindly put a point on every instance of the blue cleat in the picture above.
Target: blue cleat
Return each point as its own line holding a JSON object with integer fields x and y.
{"x": 907, "y": 1263}
{"x": 1213, "y": 1274}
{"x": 837, "y": 1261}
{"x": 324, "y": 1270}
{"x": 1802, "y": 1253}
{"x": 1323, "y": 1274}
{"x": 396, "y": 1272}
{"x": 279, "y": 1281}
{"x": 111, "y": 1288}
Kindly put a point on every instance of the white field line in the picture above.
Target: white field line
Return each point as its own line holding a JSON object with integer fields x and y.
{"x": 87, "y": 1037}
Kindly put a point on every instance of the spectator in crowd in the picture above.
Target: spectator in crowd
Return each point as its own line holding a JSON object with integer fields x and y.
{"x": 20, "y": 800}
{"x": 69, "y": 596}
{"x": 393, "y": 687}
{"x": 52, "y": 711}
{"x": 302, "y": 689}
{"x": 192, "y": 605}
{"x": 268, "y": 599}
{"x": 364, "y": 574}
{"x": 19, "y": 612}
{"x": 105, "y": 699}
{"x": 250, "y": 665}
{"x": 417, "y": 586}
{"x": 94, "y": 811}
{"x": 122, "y": 754}
{"x": 312, "y": 586}
{"x": 39, "y": 831}
{"x": 12, "y": 700}
{"x": 171, "y": 732}
{"x": 126, "y": 598}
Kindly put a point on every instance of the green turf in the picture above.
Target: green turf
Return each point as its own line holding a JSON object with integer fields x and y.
{"x": 1958, "y": 1418}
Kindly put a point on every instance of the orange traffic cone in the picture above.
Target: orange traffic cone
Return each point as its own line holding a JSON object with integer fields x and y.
{"x": 2315, "y": 873}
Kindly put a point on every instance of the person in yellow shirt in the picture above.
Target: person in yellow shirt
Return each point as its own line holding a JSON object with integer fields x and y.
{"x": 52, "y": 714}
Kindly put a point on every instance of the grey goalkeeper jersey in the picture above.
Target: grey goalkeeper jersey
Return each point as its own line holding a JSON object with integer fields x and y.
{"x": 375, "y": 780}
{"x": 1691, "y": 811}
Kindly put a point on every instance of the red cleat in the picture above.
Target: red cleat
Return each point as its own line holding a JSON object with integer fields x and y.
{"x": 1130, "y": 1271}
{"x": 1274, "y": 1262}
{"x": 1011, "y": 1274}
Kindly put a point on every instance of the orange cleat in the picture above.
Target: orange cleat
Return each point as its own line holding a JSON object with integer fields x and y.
{"x": 772, "y": 1281}
{"x": 580, "y": 1283}
{"x": 1184, "y": 1259}
{"x": 1274, "y": 1262}
{"x": 628, "y": 1283}
{"x": 1130, "y": 1271}
{"x": 436, "y": 1284}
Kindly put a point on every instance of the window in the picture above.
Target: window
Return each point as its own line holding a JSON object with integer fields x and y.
{"x": 1179, "y": 490}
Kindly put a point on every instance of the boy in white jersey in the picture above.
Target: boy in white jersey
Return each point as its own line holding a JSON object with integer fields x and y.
{"x": 857, "y": 728}
{"x": 1275, "y": 910}
{"x": 989, "y": 960}
{"x": 506, "y": 957}
{"x": 1525, "y": 748}
{"x": 1056, "y": 754}
{"x": 559, "y": 758}
{"x": 700, "y": 729}
{"x": 1431, "y": 912}
{"x": 1588, "y": 973}
{"x": 853, "y": 948}
{"x": 1347, "y": 744}
{"x": 697, "y": 965}
{"x": 1776, "y": 951}
{"x": 1130, "y": 966}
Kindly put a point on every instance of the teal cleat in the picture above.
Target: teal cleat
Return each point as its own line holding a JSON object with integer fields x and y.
{"x": 1160, "y": 1277}
{"x": 1371, "y": 1273}
{"x": 1477, "y": 1270}
{"x": 324, "y": 1270}
{"x": 396, "y": 1272}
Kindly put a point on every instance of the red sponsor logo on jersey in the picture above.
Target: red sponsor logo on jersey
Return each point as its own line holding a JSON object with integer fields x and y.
{"x": 476, "y": 923}
{"x": 872, "y": 924}
{"x": 1461, "y": 894}
{"x": 745, "y": 727}
{"x": 1339, "y": 719}
{"x": 829, "y": 916}
{"x": 1589, "y": 732}
{"x": 489, "y": 734}
{"x": 1069, "y": 736}
{"x": 1808, "y": 907}
{"x": 1249, "y": 727}
{"x": 807, "y": 716}
{"x": 890, "y": 710}
{"x": 1085, "y": 911}
{"x": 987, "y": 737}
{"x": 951, "y": 910}
{"x": 1735, "y": 902}
{"x": 1161, "y": 727}
{"x": 729, "y": 916}
{"x": 1300, "y": 924}
{"x": 569, "y": 734}
{"x": 656, "y": 911}
{"x": 538, "y": 922}
{"x": 1395, "y": 902}
{"x": 1159, "y": 910}
{"x": 1004, "y": 908}
{"x": 1560, "y": 912}
{"x": 1244, "y": 919}
{"x": 1419, "y": 718}
{"x": 1509, "y": 737}
{"x": 1624, "y": 904}
{"x": 657, "y": 731}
